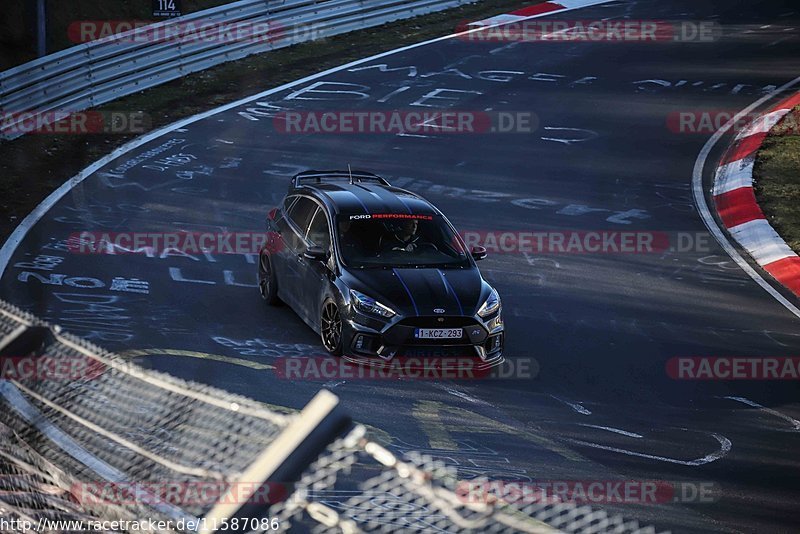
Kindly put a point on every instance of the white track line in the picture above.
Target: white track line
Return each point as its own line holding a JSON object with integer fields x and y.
{"x": 791, "y": 420}
{"x": 724, "y": 448}
{"x": 574, "y": 405}
{"x": 27, "y": 223}
{"x": 462, "y": 394}
{"x": 708, "y": 218}
{"x": 614, "y": 430}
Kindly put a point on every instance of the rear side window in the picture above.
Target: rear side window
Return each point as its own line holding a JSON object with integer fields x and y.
{"x": 300, "y": 213}
{"x": 288, "y": 203}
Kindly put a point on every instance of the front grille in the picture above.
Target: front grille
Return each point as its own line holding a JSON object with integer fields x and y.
{"x": 434, "y": 351}
{"x": 437, "y": 321}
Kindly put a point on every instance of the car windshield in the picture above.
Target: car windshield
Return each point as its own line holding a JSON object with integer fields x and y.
{"x": 401, "y": 240}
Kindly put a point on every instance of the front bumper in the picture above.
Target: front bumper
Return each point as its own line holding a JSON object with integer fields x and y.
{"x": 377, "y": 343}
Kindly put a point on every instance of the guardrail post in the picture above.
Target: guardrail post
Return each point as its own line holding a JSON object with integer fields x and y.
{"x": 41, "y": 27}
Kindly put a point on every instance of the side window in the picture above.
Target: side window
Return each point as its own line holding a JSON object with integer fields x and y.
{"x": 301, "y": 213}
{"x": 318, "y": 232}
{"x": 288, "y": 203}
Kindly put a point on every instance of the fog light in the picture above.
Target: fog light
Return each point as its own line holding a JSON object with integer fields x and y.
{"x": 364, "y": 343}
{"x": 494, "y": 343}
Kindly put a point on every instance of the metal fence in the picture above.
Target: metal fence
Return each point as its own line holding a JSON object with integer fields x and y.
{"x": 100, "y": 71}
{"x": 87, "y": 436}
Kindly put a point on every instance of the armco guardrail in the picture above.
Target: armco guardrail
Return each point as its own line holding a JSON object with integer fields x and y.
{"x": 97, "y": 72}
{"x": 88, "y": 438}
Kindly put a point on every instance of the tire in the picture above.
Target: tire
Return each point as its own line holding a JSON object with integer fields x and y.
{"x": 267, "y": 281}
{"x": 330, "y": 329}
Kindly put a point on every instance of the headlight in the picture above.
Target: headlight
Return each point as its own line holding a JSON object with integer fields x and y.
{"x": 491, "y": 305}
{"x": 370, "y": 305}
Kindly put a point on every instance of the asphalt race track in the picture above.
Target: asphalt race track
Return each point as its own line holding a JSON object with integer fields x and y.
{"x": 601, "y": 327}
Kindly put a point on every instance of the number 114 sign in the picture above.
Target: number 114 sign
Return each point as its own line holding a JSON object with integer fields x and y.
{"x": 167, "y": 8}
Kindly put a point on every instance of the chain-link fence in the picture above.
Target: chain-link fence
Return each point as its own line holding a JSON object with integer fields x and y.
{"x": 87, "y": 436}
{"x": 417, "y": 493}
{"x": 112, "y": 438}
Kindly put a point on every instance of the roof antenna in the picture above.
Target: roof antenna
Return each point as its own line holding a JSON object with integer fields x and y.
{"x": 349, "y": 170}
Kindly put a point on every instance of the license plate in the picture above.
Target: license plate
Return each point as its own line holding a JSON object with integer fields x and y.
{"x": 438, "y": 333}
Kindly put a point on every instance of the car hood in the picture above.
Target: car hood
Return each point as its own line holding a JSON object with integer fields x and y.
{"x": 418, "y": 291}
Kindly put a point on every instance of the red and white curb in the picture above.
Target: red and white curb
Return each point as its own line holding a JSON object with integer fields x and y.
{"x": 736, "y": 204}
{"x": 537, "y": 10}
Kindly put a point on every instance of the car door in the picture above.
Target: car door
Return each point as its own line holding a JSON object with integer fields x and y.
{"x": 278, "y": 228}
{"x": 316, "y": 273}
{"x": 292, "y": 228}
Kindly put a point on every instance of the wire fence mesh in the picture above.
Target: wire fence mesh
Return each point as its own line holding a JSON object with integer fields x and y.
{"x": 86, "y": 436}
{"x": 126, "y": 442}
{"x": 417, "y": 493}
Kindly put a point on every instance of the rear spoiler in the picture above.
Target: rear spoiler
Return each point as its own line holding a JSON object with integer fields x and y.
{"x": 318, "y": 177}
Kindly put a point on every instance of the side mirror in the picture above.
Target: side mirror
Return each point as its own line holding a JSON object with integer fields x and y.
{"x": 478, "y": 253}
{"x": 315, "y": 254}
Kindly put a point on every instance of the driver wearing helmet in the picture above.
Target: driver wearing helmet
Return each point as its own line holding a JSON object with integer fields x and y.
{"x": 405, "y": 238}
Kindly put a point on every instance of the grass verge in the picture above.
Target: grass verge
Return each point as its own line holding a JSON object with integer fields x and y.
{"x": 776, "y": 178}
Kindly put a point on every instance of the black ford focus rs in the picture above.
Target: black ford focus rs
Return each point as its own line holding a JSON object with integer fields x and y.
{"x": 378, "y": 272}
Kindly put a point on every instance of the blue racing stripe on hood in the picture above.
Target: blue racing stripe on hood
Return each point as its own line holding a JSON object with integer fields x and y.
{"x": 410, "y": 296}
{"x": 450, "y": 289}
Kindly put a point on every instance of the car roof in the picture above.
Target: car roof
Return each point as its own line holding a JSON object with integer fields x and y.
{"x": 359, "y": 197}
